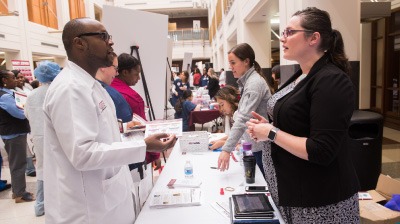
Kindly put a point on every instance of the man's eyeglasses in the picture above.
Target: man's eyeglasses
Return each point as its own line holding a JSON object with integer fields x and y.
{"x": 103, "y": 35}
{"x": 289, "y": 32}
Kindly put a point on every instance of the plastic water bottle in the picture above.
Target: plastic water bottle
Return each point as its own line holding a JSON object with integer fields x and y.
{"x": 240, "y": 152}
{"x": 247, "y": 149}
{"x": 188, "y": 169}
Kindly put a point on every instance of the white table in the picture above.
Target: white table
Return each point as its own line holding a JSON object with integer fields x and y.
{"x": 212, "y": 181}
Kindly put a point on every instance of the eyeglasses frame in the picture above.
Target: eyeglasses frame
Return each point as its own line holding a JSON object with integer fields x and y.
{"x": 105, "y": 36}
{"x": 289, "y": 32}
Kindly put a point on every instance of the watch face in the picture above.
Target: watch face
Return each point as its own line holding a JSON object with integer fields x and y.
{"x": 272, "y": 134}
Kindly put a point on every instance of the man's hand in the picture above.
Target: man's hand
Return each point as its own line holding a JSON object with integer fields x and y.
{"x": 159, "y": 142}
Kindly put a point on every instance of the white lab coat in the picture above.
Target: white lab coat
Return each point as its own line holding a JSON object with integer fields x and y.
{"x": 85, "y": 173}
{"x": 34, "y": 113}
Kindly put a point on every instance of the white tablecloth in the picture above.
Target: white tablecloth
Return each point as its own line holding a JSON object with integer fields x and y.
{"x": 212, "y": 181}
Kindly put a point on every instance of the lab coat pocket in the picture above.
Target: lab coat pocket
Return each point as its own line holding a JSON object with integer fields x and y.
{"x": 116, "y": 189}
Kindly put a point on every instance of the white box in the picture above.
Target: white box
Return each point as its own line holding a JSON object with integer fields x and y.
{"x": 194, "y": 141}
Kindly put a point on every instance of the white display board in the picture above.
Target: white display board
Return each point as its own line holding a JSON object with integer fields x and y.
{"x": 187, "y": 61}
{"x": 196, "y": 25}
{"x": 149, "y": 31}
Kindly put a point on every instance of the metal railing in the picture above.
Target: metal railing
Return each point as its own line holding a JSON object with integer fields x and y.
{"x": 189, "y": 34}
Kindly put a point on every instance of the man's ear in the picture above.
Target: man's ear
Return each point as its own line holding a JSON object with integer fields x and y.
{"x": 80, "y": 43}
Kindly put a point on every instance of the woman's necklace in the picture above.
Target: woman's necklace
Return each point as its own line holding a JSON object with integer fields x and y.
{"x": 301, "y": 77}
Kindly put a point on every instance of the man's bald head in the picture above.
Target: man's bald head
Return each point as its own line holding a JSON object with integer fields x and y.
{"x": 73, "y": 29}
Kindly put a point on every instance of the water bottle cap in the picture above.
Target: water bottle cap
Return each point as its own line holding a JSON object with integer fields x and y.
{"x": 246, "y": 146}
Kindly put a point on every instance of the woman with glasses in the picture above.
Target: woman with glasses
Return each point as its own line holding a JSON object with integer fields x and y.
{"x": 105, "y": 76}
{"x": 308, "y": 163}
{"x": 14, "y": 128}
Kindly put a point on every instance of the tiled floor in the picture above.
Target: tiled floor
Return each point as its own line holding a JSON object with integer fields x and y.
{"x": 23, "y": 213}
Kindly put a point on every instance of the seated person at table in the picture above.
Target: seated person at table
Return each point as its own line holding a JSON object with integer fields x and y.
{"x": 228, "y": 99}
{"x": 187, "y": 107}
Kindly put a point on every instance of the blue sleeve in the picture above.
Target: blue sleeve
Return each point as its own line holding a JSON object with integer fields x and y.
{"x": 178, "y": 83}
{"x": 7, "y": 103}
{"x": 189, "y": 106}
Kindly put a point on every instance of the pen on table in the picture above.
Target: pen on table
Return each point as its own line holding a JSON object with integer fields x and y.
{"x": 214, "y": 167}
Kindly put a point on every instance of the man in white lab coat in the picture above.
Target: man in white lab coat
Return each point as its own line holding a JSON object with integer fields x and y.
{"x": 86, "y": 176}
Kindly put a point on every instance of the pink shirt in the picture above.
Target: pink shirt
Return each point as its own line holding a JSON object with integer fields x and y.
{"x": 134, "y": 100}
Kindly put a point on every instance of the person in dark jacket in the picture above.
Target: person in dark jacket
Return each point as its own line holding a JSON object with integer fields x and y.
{"x": 204, "y": 78}
{"x": 307, "y": 160}
{"x": 213, "y": 83}
{"x": 14, "y": 128}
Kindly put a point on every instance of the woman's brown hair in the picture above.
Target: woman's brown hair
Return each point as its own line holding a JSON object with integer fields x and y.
{"x": 230, "y": 94}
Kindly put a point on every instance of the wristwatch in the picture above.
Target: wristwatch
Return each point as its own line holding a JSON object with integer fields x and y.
{"x": 272, "y": 134}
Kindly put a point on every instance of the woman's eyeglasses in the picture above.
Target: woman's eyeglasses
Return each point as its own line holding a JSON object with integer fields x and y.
{"x": 289, "y": 32}
{"x": 115, "y": 67}
{"x": 103, "y": 35}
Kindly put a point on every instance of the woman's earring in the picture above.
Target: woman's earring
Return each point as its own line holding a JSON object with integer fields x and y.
{"x": 5, "y": 85}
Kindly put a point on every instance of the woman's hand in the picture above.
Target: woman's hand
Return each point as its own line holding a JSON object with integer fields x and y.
{"x": 258, "y": 128}
{"x": 216, "y": 144}
{"x": 223, "y": 161}
{"x": 258, "y": 132}
{"x": 258, "y": 118}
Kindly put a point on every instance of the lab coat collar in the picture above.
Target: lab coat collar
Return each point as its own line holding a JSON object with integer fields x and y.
{"x": 87, "y": 78}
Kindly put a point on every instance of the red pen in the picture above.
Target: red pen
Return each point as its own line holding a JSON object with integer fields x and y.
{"x": 233, "y": 157}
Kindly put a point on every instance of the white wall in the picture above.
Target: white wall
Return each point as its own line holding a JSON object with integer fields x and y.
{"x": 345, "y": 17}
{"x": 148, "y": 31}
{"x": 243, "y": 25}
{"x": 199, "y": 50}
{"x": 395, "y": 4}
